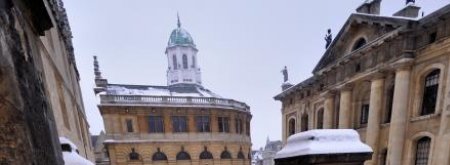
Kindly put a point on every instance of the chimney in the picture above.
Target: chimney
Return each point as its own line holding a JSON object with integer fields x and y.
{"x": 411, "y": 11}
{"x": 370, "y": 7}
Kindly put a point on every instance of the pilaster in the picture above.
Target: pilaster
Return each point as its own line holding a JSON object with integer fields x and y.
{"x": 375, "y": 107}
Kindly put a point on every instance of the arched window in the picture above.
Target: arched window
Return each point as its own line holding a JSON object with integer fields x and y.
{"x": 183, "y": 155}
{"x": 158, "y": 155}
{"x": 240, "y": 154}
{"x": 133, "y": 155}
{"x": 423, "y": 151}
{"x": 320, "y": 119}
{"x": 304, "y": 126}
{"x": 193, "y": 62}
{"x": 175, "y": 63}
{"x": 225, "y": 154}
{"x": 185, "y": 62}
{"x": 206, "y": 154}
{"x": 383, "y": 157}
{"x": 430, "y": 92}
{"x": 358, "y": 44}
{"x": 291, "y": 128}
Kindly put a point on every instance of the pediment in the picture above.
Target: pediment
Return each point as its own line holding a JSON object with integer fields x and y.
{"x": 358, "y": 31}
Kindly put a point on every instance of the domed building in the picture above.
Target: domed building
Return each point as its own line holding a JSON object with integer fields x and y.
{"x": 181, "y": 123}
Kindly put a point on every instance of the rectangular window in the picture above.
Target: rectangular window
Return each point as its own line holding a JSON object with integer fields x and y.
{"x": 364, "y": 114}
{"x": 223, "y": 124}
{"x": 203, "y": 123}
{"x": 129, "y": 123}
{"x": 155, "y": 124}
{"x": 239, "y": 126}
{"x": 179, "y": 124}
{"x": 432, "y": 37}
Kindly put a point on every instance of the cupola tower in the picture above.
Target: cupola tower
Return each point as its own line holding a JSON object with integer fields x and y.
{"x": 181, "y": 54}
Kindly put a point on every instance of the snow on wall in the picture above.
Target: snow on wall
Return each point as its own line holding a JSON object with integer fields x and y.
{"x": 150, "y": 91}
{"x": 323, "y": 141}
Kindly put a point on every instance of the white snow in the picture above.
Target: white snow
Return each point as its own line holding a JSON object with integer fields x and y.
{"x": 323, "y": 141}
{"x": 72, "y": 158}
{"x": 149, "y": 91}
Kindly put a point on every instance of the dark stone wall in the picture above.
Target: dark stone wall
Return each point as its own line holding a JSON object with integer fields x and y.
{"x": 27, "y": 130}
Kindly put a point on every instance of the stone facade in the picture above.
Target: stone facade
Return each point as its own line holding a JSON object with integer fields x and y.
{"x": 387, "y": 78}
{"x": 38, "y": 73}
{"x": 182, "y": 123}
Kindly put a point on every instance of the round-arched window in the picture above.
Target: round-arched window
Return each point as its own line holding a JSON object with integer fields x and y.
{"x": 359, "y": 43}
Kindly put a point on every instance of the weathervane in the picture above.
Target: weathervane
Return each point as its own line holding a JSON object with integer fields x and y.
{"x": 328, "y": 39}
{"x": 178, "y": 19}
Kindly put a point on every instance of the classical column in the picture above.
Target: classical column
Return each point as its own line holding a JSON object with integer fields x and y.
{"x": 399, "y": 116}
{"x": 345, "y": 107}
{"x": 375, "y": 107}
{"x": 328, "y": 111}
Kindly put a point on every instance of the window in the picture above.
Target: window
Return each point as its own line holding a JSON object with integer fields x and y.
{"x": 291, "y": 127}
{"x": 133, "y": 155}
{"x": 155, "y": 124}
{"x": 183, "y": 155}
{"x": 357, "y": 67}
{"x": 206, "y": 154}
{"x": 430, "y": 92}
{"x": 320, "y": 119}
{"x": 225, "y": 154}
{"x": 432, "y": 37}
{"x": 364, "y": 116}
{"x": 179, "y": 124}
{"x": 383, "y": 157}
{"x": 193, "y": 62}
{"x": 223, "y": 124}
{"x": 304, "y": 126}
{"x": 129, "y": 123}
{"x": 185, "y": 62}
{"x": 175, "y": 63}
{"x": 247, "y": 127}
{"x": 202, "y": 123}
{"x": 423, "y": 151}
{"x": 158, "y": 156}
{"x": 239, "y": 127}
{"x": 358, "y": 44}
{"x": 240, "y": 154}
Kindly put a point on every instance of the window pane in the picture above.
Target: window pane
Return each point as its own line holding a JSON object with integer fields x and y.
{"x": 156, "y": 124}
{"x": 364, "y": 114}
{"x": 202, "y": 123}
{"x": 179, "y": 124}
{"x": 129, "y": 123}
{"x": 422, "y": 151}
{"x": 430, "y": 92}
{"x": 223, "y": 124}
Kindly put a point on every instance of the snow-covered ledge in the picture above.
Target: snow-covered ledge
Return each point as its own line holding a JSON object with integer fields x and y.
{"x": 323, "y": 142}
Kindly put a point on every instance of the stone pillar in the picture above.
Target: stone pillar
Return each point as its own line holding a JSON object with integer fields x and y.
{"x": 345, "y": 107}
{"x": 373, "y": 127}
{"x": 399, "y": 116}
{"x": 328, "y": 111}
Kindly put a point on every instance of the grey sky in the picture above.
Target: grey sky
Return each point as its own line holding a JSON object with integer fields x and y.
{"x": 243, "y": 45}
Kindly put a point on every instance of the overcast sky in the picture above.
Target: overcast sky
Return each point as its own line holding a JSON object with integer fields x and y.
{"x": 243, "y": 45}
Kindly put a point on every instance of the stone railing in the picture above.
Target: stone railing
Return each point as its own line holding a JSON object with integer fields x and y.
{"x": 174, "y": 101}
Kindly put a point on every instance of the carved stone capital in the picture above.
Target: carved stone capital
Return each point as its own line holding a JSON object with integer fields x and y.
{"x": 328, "y": 94}
{"x": 403, "y": 64}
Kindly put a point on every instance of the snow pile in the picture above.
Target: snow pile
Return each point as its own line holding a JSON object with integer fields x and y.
{"x": 324, "y": 141}
{"x": 72, "y": 157}
{"x": 155, "y": 91}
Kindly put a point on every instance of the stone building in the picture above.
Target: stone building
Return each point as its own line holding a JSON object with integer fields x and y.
{"x": 100, "y": 151}
{"x": 181, "y": 123}
{"x": 269, "y": 151}
{"x": 40, "y": 96}
{"x": 386, "y": 77}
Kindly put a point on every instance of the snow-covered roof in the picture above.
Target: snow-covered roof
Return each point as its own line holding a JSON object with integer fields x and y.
{"x": 72, "y": 158}
{"x": 323, "y": 141}
{"x": 184, "y": 90}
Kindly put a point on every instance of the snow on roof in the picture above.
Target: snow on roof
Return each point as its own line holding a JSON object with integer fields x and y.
{"x": 179, "y": 90}
{"x": 72, "y": 158}
{"x": 324, "y": 141}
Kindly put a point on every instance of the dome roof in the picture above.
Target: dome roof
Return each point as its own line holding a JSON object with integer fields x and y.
{"x": 180, "y": 36}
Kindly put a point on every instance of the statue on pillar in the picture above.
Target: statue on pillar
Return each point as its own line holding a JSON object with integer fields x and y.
{"x": 285, "y": 74}
{"x": 410, "y": 1}
{"x": 328, "y": 39}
